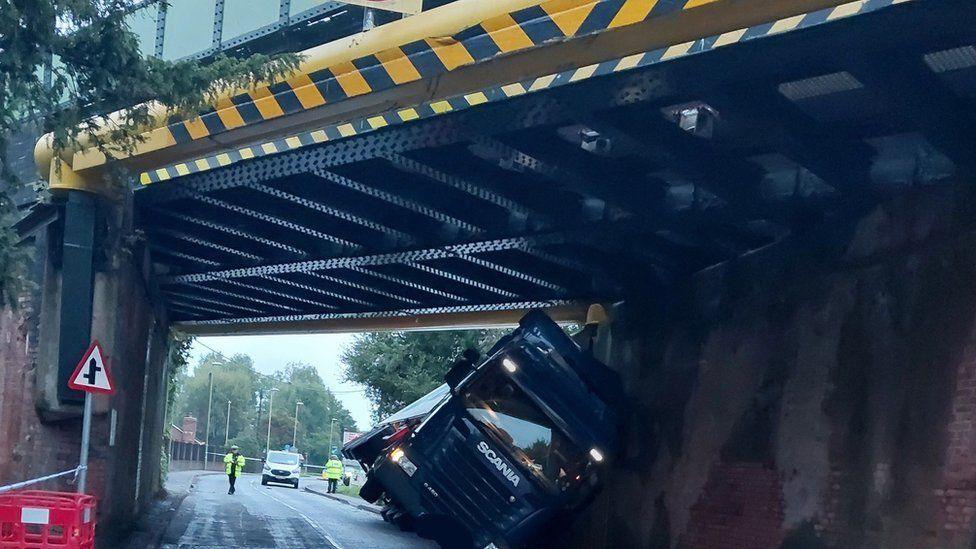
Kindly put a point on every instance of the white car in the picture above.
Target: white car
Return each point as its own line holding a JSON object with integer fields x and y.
{"x": 281, "y": 467}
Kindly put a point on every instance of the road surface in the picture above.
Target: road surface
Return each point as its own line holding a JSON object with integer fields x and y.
{"x": 276, "y": 517}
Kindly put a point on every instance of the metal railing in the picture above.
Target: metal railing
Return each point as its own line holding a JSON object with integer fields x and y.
{"x": 16, "y": 486}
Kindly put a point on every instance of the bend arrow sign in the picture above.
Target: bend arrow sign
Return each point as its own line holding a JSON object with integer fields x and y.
{"x": 92, "y": 373}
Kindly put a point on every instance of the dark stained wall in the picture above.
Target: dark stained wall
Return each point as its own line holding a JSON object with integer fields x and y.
{"x": 792, "y": 403}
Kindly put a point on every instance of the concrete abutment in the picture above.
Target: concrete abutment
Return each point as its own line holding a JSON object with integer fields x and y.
{"x": 41, "y": 429}
{"x": 783, "y": 402}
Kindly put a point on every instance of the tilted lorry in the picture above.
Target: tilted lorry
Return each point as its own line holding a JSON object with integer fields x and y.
{"x": 504, "y": 447}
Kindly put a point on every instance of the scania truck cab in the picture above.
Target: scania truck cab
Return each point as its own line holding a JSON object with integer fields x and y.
{"x": 514, "y": 440}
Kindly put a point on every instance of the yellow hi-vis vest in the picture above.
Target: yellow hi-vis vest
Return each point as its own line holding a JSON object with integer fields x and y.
{"x": 230, "y": 467}
{"x": 333, "y": 469}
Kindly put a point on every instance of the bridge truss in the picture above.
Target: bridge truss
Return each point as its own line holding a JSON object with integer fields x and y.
{"x": 620, "y": 179}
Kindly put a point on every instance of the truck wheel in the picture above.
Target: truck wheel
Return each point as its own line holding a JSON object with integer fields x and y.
{"x": 296, "y": 485}
{"x": 385, "y": 512}
{"x": 371, "y": 491}
{"x": 264, "y": 481}
{"x": 402, "y": 520}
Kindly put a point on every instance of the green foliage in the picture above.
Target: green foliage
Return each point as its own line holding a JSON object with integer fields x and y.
{"x": 236, "y": 380}
{"x": 97, "y": 69}
{"x": 13, "y": 265}
{"x": 178, "y": 357}
{"x": 397, "y": 368}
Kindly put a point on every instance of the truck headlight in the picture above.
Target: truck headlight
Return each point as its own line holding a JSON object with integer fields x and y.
{"x": 401, "y": 459}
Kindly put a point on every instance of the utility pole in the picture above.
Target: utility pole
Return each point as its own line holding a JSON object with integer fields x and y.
{"x": 294, "y": 435}
{"x": 227, "y": 428}
{"x": 206, "y": 444}
{"x": 331, "y": 425}
{"x": 271, "y": 393}
{"x": 257, "y": 422}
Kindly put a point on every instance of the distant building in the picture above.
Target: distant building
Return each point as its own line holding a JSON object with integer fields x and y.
{"x": 187, "y": 433}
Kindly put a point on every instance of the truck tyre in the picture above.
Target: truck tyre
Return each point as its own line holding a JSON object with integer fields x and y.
{"x": 371, "y": 491}
{"x": 264, "y": 481}
{"x": 385, "y": 512}
{"x": 402, "y": 520}
{"x": 296, "y": 485}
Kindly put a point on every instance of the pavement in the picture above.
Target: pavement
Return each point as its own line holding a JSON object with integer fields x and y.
{"x": 274, "y": 517}
{"x": 148, "y": 528}
{"x": 357, "y": 502}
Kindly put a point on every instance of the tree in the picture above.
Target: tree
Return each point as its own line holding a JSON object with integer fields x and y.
{"x": 235, "y": 379}
{"x": 301, "y": 382}
{"x": 99, "y": 69}
{"x": 397, "y": 368}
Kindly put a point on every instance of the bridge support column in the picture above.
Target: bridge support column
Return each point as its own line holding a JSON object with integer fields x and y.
{"x": 92, "y": 282}
{"x": 77, "y": 259}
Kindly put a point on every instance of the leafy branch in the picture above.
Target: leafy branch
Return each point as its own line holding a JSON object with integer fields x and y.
{"x": 65, "y": 64}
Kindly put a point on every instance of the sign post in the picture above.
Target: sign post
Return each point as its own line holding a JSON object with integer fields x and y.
{"x": 91, "y": 376}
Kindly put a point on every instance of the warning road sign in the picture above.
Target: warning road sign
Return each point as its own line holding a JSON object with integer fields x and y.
{"x": 92, "y": 373}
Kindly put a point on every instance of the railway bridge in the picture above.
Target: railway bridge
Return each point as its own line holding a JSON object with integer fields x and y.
{"x": 773, "y": 199}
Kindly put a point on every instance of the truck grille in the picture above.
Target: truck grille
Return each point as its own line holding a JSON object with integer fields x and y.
{"x": 280, "y": 473}
{"x": 468, "y": 491}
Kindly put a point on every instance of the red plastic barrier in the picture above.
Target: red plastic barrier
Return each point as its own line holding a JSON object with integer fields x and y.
{"x": 34, "y": 519}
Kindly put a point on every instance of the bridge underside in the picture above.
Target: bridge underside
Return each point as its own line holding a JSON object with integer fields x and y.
{"x": 622, "y": 185}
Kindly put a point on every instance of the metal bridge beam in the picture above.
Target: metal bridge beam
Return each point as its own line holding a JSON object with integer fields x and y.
{"x": 183, "y": 296}
{"x": 907, "y": 84}
{"x": 518, "y": 213}
{"x": 423, "y": 209}
{"x": 380, "y": 259}
{"x": 407, "y": 283}
{"x": 203, "y": 243}
{"x": 429, "y": 318}
{"x": 844, "y": 164}
{"x": 232, "y": 232}
{"x": 235, "y": 295}
{"x": 338, "y": 245}
{"x": 495, "y": 149}
{"x": 395, "y": 236}
{"x": 364, "y": 288}
{"x": 320, "y": 291}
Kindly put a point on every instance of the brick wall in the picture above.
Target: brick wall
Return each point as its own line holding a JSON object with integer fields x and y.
{"x": 957, "y": 496}
{"x": 40, "y": 436}
{"x": 741, "y": 507}
{"x": 33, "y": 449}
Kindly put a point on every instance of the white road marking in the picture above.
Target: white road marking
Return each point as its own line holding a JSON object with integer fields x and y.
{"x": 301, "y": 514}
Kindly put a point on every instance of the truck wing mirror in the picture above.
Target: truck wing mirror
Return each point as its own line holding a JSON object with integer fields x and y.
{"x": 461, "y": 368}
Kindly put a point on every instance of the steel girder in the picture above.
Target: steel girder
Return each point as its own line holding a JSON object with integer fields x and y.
{"x": 499, "y": 206}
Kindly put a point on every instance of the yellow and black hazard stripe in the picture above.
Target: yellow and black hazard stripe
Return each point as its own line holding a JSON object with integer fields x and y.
{"x": 430, "y": 57}
{"x": 429, "y": 109}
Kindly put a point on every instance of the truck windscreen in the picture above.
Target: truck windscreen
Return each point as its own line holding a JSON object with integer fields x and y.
{"x": 514, "y": 421}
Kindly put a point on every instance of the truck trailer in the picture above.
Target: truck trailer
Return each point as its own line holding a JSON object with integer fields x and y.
{"x": 505, "y": 446}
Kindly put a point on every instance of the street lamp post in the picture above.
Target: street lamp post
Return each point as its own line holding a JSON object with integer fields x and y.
{"x": 331, "y": 426}
{"x": 271, "y": 393}
{"x": 294, "y": 435}
{"x": 206, "y": 444}
{"x": 227, "y": 427}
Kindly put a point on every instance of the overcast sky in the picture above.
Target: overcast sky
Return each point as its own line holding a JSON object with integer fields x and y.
{"x": 274, "y": 352}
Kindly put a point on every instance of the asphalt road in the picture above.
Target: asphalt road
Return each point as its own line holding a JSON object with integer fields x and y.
{"x": 276, "y": 517}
